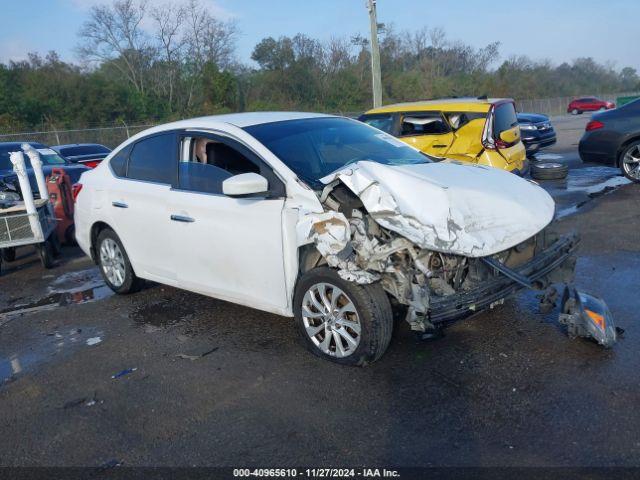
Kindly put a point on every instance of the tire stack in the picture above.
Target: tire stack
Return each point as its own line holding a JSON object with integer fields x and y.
{"x": 549, "y": 171}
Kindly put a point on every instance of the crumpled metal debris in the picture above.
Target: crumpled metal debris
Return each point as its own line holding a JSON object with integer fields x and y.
{"x": 413, "y": 212}
{"x": 450, "y": 207}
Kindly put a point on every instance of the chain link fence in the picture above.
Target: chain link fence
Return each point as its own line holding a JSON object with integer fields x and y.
{"x": 112, "y": 136}
{"x": 558, "y": 105}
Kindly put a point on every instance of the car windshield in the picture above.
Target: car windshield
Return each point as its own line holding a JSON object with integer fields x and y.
{"x": 316, "y": 147}
{"x": 48, "y": 156}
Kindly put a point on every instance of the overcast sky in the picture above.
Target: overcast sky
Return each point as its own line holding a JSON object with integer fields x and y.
{"x": 559, "y": 30}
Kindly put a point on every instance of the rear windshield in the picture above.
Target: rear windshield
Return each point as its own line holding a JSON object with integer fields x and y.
{"x": 504, "y": 118}
{"x": 83, "y": 150}
{"x": 316, "y": 147}
{"x": 48, "y": 157}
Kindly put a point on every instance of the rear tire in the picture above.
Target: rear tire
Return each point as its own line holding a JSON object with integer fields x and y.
{"x": 341, "y": 321}
{"x": 46, "y": 253}
{"x": 114, "y": 264}
{"x": 630, "y": 162}
{"x": 575, "y": 111}
{"x": 549, "y": 171}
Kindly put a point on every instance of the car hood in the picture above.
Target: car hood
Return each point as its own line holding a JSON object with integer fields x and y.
{"x": 532, "y": 118}
{"x": 448, "y": 206}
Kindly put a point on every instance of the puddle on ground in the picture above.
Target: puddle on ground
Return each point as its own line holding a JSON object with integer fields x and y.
{"x": 68, "y": 289}
{"x": 581, "y": 185}
{"x": 45, "y": 348}
{"x": 164, "y": 313}
{"x": 77, "y": 281}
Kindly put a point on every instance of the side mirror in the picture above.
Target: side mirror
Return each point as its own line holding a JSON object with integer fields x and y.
{"x": 245, "y": 184}
{"x": 510, "y": 136}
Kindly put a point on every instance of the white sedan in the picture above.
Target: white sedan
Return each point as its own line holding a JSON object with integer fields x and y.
{"x": 320, "y": 218}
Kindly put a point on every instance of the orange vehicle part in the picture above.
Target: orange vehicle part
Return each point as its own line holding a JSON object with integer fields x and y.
{"x": 60, "y": 194}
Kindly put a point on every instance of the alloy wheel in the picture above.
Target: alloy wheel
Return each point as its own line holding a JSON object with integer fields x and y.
{"x": 631, "y": 162}
{"x": 331, "y": 320}
{"x": 112, "y": 262}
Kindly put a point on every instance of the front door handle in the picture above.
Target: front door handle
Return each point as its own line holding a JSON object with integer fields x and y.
{"x": 119, "y": 205}
{"x": 182, "y": 218}
{"x": 439, "y": 146}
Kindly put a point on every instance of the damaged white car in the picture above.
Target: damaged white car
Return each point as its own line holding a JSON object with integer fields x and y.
{"x": 328, "y": 220}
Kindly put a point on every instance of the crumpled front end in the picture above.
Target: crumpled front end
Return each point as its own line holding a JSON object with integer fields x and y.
{"x": 438, "y": 280}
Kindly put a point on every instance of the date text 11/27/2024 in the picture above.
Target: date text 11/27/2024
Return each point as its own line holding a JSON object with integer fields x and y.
{"x": 316, "y": 472}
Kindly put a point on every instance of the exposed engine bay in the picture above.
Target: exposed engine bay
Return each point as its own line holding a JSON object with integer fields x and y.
{"x": 418, "y": 278}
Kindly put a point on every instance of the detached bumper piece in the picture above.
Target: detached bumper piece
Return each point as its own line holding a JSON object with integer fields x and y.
{"x": 587, "y": 316}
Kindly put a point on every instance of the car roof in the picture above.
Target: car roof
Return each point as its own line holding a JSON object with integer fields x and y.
{"x": 18, "y": 145}
{"x": 444, "y": 104}
{"x": 240, "y": 120}
{"x": 67, "y": 145}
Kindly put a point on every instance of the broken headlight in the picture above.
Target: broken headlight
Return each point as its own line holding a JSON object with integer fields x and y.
{"x": 587, "y": 316}
{"x": 8, "y": 199}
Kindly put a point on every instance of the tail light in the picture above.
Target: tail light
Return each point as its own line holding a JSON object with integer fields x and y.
{"x": 500, "y": 144}
{"x": 75, "y": 191}
{"x": 594, "y": 125}
{"x": 91, "y": 163}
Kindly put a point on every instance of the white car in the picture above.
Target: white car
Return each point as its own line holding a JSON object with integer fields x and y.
{"x": 320, "y": 218}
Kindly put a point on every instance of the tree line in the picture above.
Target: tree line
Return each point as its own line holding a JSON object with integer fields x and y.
{"x": 150, "y": 64}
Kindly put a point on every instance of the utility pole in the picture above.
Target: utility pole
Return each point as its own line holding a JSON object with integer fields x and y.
{"x": 375, "y": 55}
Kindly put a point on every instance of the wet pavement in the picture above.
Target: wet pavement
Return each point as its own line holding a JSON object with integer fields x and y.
{"x": 167, "y": 377}
{"x": 583, "y": 184}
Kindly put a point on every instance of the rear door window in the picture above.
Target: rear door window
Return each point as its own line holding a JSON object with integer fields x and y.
{"x": 460, "y": 119}
{"x": 424, "y": 123}
{"x": 154, "y": 159}
{"x": 504, "y": 118}
{"x": 119, "y": 162}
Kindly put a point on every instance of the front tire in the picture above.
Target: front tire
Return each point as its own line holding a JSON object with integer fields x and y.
{"x": 575, "y": 111}
{"x": 114, "y": 264}
{"x": 630, "y": 162}
{"x": 342, "y": 321}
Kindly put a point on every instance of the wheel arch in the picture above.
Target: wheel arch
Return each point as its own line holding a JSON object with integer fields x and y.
{"x": 96, "y": 228}
{"x": 308, "y": 258}
{"x": 623, "y": 147}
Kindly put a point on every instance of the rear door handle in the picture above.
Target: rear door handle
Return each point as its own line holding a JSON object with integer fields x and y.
{"x": 439, "y": 146}
{"x": 119, "y": 205}
{"x": 182, "y": 218}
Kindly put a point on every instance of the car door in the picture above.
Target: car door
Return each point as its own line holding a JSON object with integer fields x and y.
{"x": 227, "y": 247}
{"x": 137, "y": 203}
{"x": 467, "y": 135}
{"x": 591, "y": 104}
{"x": 426, "y": 131}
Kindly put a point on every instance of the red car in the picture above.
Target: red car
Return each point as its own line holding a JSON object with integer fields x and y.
{"x": 589, "y": 104}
